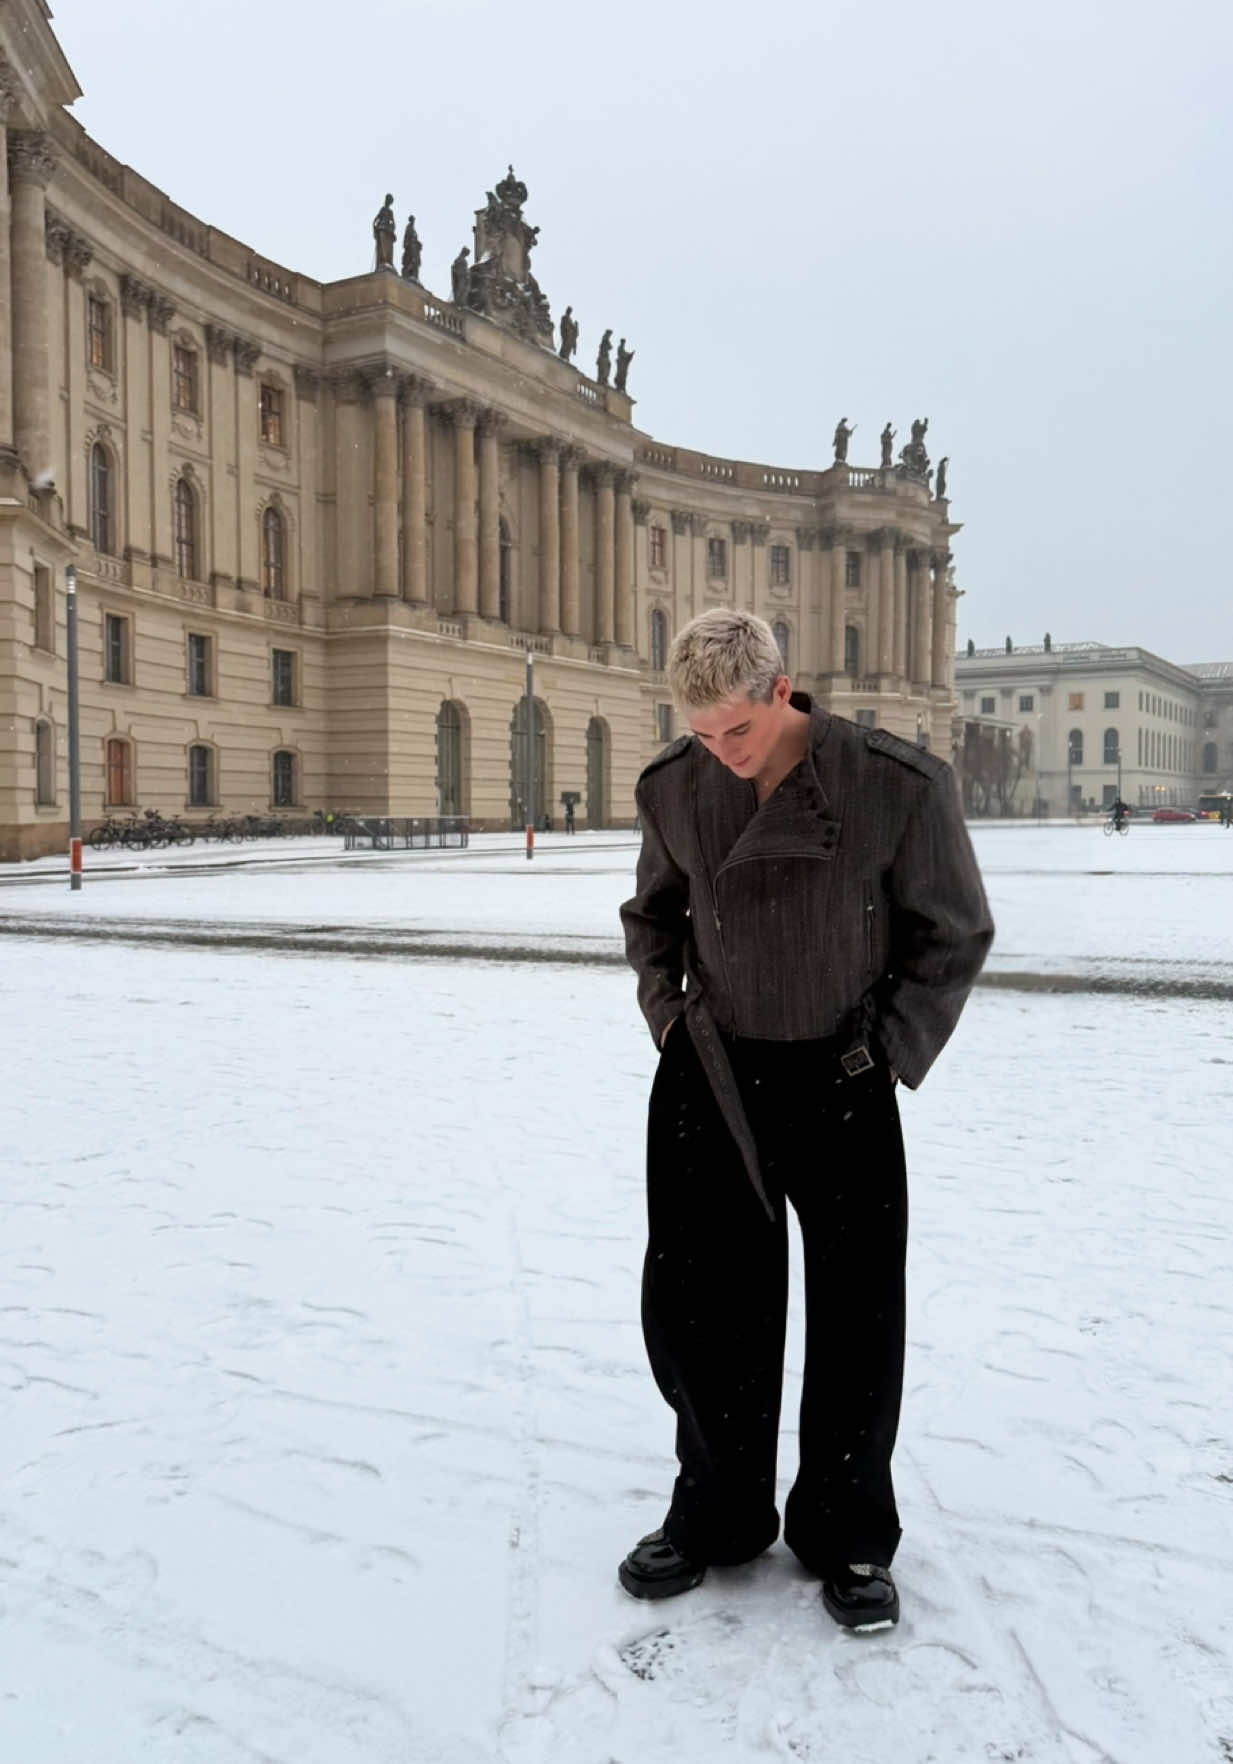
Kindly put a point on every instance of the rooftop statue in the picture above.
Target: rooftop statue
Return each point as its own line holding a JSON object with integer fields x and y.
{"x": 843, "y": 434}
{"x": 624, "y": 357}
{"x": 941, "y": 489}
{"x": 569, "y": 334}
{"x": 888, "y": 441}
{"x": 412, "y": 252}
{"x": 603, "y": 361}
{"x": 460, "y": 276}
{"x": 384, "y": 232}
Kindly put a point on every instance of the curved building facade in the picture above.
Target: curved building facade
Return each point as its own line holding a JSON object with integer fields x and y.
{"x": 317, "y": 528}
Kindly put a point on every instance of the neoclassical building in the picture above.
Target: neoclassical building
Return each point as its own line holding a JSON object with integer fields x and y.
{"x": 318, "y": 527}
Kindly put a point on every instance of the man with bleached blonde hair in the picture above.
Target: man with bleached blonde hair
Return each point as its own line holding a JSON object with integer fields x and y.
{"x": 808, "y": 903}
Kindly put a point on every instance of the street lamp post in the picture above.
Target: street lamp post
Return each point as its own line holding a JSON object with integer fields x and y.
{"x": 530, "y": 771}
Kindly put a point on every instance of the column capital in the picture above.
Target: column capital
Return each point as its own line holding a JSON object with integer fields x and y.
{"x": 464, "y": 413}
{"x": 626, "y": 479}
{"x": 246, "y": 353}
{"x": 382, "y": 379}
{"x": 307, "y": 381}
{"x": 32, "y": 159}
{"x": 883, "y": 537}
{"x": 135, "y": 297}
{"x": 10, "y": 89}
{"x": 940, "y": 559}
{"x": 162, "y": 311}
{"x": 572, "y": 458}
{"x": 740, "y": 531}
{"x": 346, "y": 384}
{"x": 640, "y": 509}
{"x": 759, "y": 532}
{"x": 603, "y": 474}
{"x": 57, "y": 235}
{"x": 547, "y": 449}
{"x": 491, "y": 422}
{"x": 78, "y": 255}
{"x": 417, "y": 389}
{"x": 807, "y": 537}
{"x": 681, "y": 521}
{"x": 218, "y": 342}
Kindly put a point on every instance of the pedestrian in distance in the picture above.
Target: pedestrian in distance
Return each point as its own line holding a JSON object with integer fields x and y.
{"x": 807, "y": 924}
{"x": 569, "y": 815}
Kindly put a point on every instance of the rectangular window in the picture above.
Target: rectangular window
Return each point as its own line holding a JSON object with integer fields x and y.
{"x": 200, "y": 777}
{"x": 658, "y": 537}
{"x": 867, "y": 719}
{"x": 184, "y": 378}
{"x": 852, "y": 570}
{"x": 663, "y": 722}
{"x": 283, "y": 666}
{"x": 284, "y": 780}
{"x": 199, "y": 665}
{"x": 272, "y": 415}
{"x": 988, "y": 706}
{"x": 1027, "y": 701}
{"x": 98, "y": 333}
{"x": 1113, "y": 700}
{"x": 717, "y": 557}
{"x": 1075, "y": 701}
{"x": 44, "y": 609}
{"x": 780, "y": 566}
{"x": 115, "y": 649}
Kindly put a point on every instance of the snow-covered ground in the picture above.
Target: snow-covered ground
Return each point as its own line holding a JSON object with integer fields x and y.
{"x": 323, "y": 1412}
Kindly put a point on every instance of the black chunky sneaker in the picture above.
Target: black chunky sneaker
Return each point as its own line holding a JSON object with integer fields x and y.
{"x": 861, "y": 1596}
{"x": 654, "y": 1570}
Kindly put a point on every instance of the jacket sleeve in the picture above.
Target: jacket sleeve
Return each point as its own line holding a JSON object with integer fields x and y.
{"x": 940, "y": 932}
{"x": 656, "y": 922}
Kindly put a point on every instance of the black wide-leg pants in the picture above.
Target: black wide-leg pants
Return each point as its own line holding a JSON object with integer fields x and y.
{"x": 715, "y": 1292}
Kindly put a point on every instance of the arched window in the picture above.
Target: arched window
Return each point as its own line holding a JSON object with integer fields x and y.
{"x": 102, "y": 520}
{"x": 449, "y": 759}
{"x": 185, "y": 529}
{"x": 783, "y": 638}
{"x": 851, "y": 650}
{"x": 1112, "y": 753}
{"x": 503, "y": 555}
{"x": 119, "y": 772}
{"x": 284, "y": 779}
{"x": 1074, "y": 742}
{"x": 1210, "y": 756}
{"x": 659, "y": 640}
{"x": 44, "y": 762}
{"x": 273, "y": 534}
{"x": 200, "y": 777}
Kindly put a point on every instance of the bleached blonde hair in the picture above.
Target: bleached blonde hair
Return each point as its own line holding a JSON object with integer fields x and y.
{"x": 723, "y": 654}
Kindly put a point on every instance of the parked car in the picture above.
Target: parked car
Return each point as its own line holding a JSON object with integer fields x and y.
{"x": 1174, "y": 814}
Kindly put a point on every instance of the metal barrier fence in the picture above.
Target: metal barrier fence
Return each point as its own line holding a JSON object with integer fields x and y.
{"x": 398, "y": 833}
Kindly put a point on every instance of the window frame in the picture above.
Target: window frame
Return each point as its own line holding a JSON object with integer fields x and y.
{"x": 206, "y": 658}
{"x": 185, "y": 528}
{"x": 779, "y": 565}
{"x": 190, "y": 378}
{"x": 988, "y": 704}
{"x": 291, "y": 701}
{"x": 104, "y": 362}
{"x": 1027, "y": 703}
{"x": 852, "y": 569}
{"x": 117, "y": 627}
{"x": 271, "y": 414}
{"x": 207, "y": 797}
{"x": 273, "y": 569}
{"x": 44, "y": 762}
{"x": 292, "y": 797}
{"x": 716, "y": 558}
{"x": 43, "y": 583}
{"x": 102, "y": 508}
{"x": 124, "y": 746}
{"x": 657, "y": 547}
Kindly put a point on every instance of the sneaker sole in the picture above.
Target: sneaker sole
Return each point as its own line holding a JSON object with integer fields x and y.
{"x": 668, "y": 1588}
{"x": 858, "y": 1625}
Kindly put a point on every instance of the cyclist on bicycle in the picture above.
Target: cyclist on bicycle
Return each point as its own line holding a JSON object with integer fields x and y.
{"x": 1121, "y": 813}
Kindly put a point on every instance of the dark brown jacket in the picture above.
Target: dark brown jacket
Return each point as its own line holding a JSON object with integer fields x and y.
{"x": 849, "y": 902}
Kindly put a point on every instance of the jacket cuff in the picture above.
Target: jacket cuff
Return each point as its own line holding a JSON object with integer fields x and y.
{"x": 659, "y": 1019}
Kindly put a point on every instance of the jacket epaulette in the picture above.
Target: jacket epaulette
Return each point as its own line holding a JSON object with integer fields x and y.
{"x": 674, "y": 750}
{"x": 906, "y": 752}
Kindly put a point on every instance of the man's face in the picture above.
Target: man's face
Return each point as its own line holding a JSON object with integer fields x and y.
{"x": 741, "y": 732}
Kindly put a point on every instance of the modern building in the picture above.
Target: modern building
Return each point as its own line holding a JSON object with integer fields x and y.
{"x": 1099, "y": 721}
{"x": 318, "y": 528}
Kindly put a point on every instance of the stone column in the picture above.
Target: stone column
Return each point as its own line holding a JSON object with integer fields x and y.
{"x": 415, "y": 488}
{"x": 247, "y": 431}
{"x": 159, "y": 315}
{"x": 139, "y": 472}
{"x": 900, "y": 657}
{"x": 813, "y": 598}
{"x": 941, "y": 611}
{"x": 836, "y": 563}
{"x": 624, "y": 623}
{"x": 605, "y": 558}
{"x": 548, "y": 452}
{"x": 491, "y": 423}
{"x": 351, "y": 488}
{"x": 77, "y": 256}
{"x": 383, "y": 383}
{"x": 922, "y": 636}
{"x": 571, "y": 562}
{"x": 9, "y": 92}
{"x": 31, "y": 164}
{"x": 306, "y": 578}
{"x": 464, "y": 415}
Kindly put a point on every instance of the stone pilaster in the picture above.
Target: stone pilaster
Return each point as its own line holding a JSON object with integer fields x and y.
{"x": 415, "y": 395}
{"x": 31, "y": 164}
{"x": 624, "y": 559}
{"x": 922, "y": 631}
{"x": 571, "y": 560}
{"x": 835, "y": 560}
{"x": 491, "y": 423}
{"x": 464, "y": 415}
{"x": 307, "y": 575}
{"x": 351, "y": 489}
{"x": 383, "y": 384}
{"x": 882, "y": 634}
{"x": 10, "y": 91}
{"x": 605, "y": 555}
{"x": 900, "y": 656}
{"x": 247, "y": 431}
{"x": 941, "y": 618}
{"x": 548, "y": 451}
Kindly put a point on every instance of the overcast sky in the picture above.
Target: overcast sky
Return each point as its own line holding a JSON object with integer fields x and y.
{"x": 1013, "y": 221}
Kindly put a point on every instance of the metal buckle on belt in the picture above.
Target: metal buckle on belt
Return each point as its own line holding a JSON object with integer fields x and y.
{"x": 858, "y": 1059}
